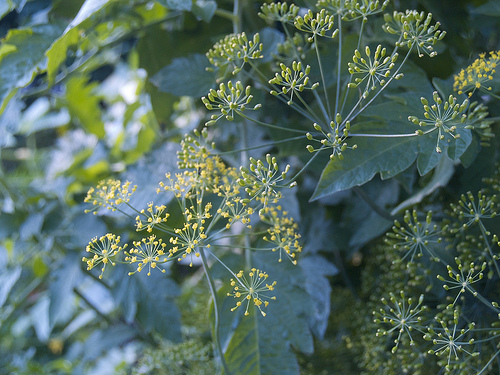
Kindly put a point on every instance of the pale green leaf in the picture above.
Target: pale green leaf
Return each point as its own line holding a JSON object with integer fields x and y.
{"x": 18, "y": 68}
{"x": 185, "y": 76}
{"x": 56, "y": 55}
{"x": 176, "y": 4}
{"x": 88, "y": 9}
{"x": 84, "y": 105}
{"x": 8, "y": 277}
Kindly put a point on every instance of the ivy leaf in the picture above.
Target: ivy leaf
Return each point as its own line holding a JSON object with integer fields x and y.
{"x": 18, "y": 68}
{"x": 256, "y": 344}
{"x": 176, "y": 4}
{"x": 185, "y": 76}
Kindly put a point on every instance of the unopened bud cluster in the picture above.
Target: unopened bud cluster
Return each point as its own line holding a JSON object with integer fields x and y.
{"x": 292, "y": 80}
{"x": 317, "y": 25}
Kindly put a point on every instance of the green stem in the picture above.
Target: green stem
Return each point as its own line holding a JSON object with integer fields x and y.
{"x": 268, "y": 125}
{"x": 483, "y": 232}
{"x": 489, "y": 362}
{"x": 294, "y": 178}
{"x": 261, "y": 146}
{"x": 339, "y": 62}
{"x": 322, "y": 77}
{"x": 216, "y": 312}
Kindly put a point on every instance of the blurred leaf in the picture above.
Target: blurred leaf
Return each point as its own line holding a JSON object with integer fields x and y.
{"x": 490, "y": 8}
{"x": 61, "y": 287}
{"x": 5, "y": 7}
{"x": 441, "y": 177}
{"x": 204, "y": 9}
{"x": 185, "y": 76}
{"x": 176, "y": 4}
{"x": 31, "y": 226}
{"x": 19, "y": 68}
{"x": 56, "y": 54}
{"x": 39, "y": 315}
{"x": 8, "y": 277}
{"x": 88, "y": 8}
{"x": 37, "y": 117}
{"x": 270, "y": 38}
{"x": 84, "y": 104}
{"x": 316, "y": 269}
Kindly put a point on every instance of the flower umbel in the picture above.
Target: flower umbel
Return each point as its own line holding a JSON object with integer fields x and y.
{"x": 446, "y": 118}
{"x": 466, "y": 276}
{"x": 148, "y": 252}
{"x": 281, "y": 12}
{"x": 477, "y": 75}
{"x": 400, "y": 314}
{"x": 234, "y": 51}
{"x": 109, "y": 194}
{"x": 372, "y": 71}
{"x": 252, "y": 289}
{"x": 150, "y": 217}
{"x": 104, "y": 250}
{"x": 292, "y": 80}
{"x": 414, "y": 30}
{"x": 317, "y": 25}
{"x": 228, "y": 99}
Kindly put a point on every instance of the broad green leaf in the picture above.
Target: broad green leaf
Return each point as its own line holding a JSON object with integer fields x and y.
{"x": 441, "y": 177}
{"x": 5, "y": 7}
{"x": 270, "y": 38}
{"x": 257, "y": 344}
{"x": 89, "y": 8}
{"x": 491, "y": 8}
{"x": 176, "y": 4}
{"x": 18, "y": 68}
{"x": 185, "y": 76}
{"x": 84, "y": 105}
{"x": 56, "y": 55}
{"x": 61, "y": 288}
{"x": 387, "y": 156}
{"x": 8, "y": 277}
{"x": 204, "y": 9}
{"x": 316, "y": 269}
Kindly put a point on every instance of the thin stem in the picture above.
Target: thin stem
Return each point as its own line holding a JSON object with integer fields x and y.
{"x": 322, "y": 78}
{"x": 216, "y": 312}
{"x": 339, "y": 62}
{"x": 483, "y": 232}
{"x": 350, "y": 118}
{"x": 305, "y": 166}
{"x": 489, "y": 362}
{"x": 267, "y": 124}
{"x": 261, "y": 146}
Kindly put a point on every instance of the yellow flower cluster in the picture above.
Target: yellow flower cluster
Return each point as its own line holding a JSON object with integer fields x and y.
{"x": 148, "y": 252}
{"x": 251, "y": 289}
{"x": 477, "y": 75}
{"x": 109, "y": 194}
{"x": 152, "y": 216}
{"x": 282, "y": 233}
{"x": 104, "y": 248}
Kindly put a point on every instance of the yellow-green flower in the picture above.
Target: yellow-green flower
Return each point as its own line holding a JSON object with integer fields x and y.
{"x": 150, "y": 217}
{"x": 252, "y": 289}
{"x": 104, "y": 250}
{"x": 477, "y": 75}
{"x": 149, "y": 252}
{"x": 109, "y": 194}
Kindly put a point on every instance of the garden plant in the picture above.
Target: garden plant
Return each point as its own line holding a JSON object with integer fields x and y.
{"x": 249, "y": 187}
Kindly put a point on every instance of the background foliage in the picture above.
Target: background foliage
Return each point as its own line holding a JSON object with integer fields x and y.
{"x": 101, "y": 88}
